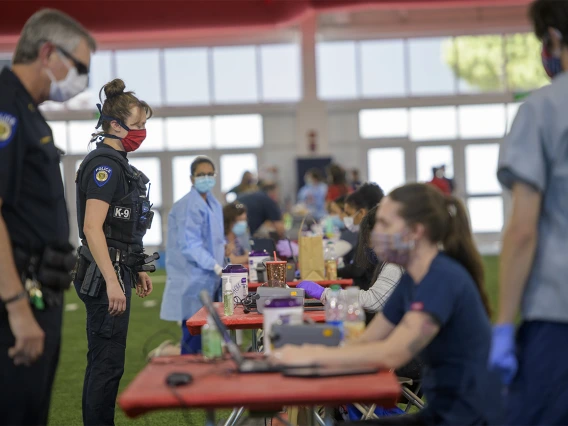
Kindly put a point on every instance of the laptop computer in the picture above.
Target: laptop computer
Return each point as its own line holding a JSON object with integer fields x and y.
{"x": 243, "y": 365}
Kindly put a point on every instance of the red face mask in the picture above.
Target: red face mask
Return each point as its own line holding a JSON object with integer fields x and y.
{"x": 133, "y": 139}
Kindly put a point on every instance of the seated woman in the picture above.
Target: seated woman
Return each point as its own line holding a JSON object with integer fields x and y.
{"x": 236, "y": 233}
{"x": 357, "y": 205}
{"x": 439, "y": 311}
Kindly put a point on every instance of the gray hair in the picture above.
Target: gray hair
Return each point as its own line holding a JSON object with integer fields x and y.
{"x": 53, "y": 26}
{"x": 200, "y": 160}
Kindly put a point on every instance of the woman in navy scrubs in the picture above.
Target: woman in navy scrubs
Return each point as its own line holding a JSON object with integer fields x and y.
{"x": 439, "y": 312}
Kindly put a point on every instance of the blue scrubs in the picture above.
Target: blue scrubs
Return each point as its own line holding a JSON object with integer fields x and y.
{"x": 196, "y": 243}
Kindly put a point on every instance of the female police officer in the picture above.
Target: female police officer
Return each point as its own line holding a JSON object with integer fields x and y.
{"x": 113, "y": 212}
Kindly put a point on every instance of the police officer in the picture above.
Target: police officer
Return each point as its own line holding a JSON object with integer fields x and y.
{"x": 113, "y": 210}
{"x": 533, "y": 164}
{"x": 51, "y": 62}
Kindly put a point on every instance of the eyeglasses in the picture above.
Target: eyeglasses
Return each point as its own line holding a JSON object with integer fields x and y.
{"x": 81, "y": 67}
{"x": 206, "y": 174}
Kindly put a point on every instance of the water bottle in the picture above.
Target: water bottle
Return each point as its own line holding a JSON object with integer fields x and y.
{"x": 211, "y": 340}
{"x": 330, "y": 262}
{"x": 335, "y": 308}
{"x": 354, "y": 323}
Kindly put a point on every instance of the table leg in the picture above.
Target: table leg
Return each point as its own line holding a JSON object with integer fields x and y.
{"x": 316, "y": 419}
{"x": 328, "y": 419}
{"x": 210, "y": 418}
{"x": 254, "y": 341}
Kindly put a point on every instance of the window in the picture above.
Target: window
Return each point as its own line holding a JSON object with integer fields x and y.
{"x": 186, "y": 76}
{"x": 189, "y": 133}
{"x": 481, "y": 169}
{"x": 382, "y": 68}
{"x": 428, "y": 157}
{"x": 154, "y": 136}
{"x": 524, "y": 66}
{"x": 479, "y": 63}
{"x": 238, "y": 131}
{"x": 181, "y": 167}
{"x": 512, "y": 110}
{"x": 234, "y": 74}
{"x": 59, "y": 130}
{"x": 280, "y": 64}
{"x": 80, "y": 134}
{"x": 151, "y": 168}
{"x": 336, "y": 75}
{"x": 433, "y": 123}
{"x": 486, "y": 214}
{"x": 233, "y": 166}
{"x": 386, "y": 167}
{"x": 383, "y": 123}
{"x": 482, "y": 121}
{"x": 430, "y": 73}
{"x": 153, "y": 237}
{"x": 140, "y": 71}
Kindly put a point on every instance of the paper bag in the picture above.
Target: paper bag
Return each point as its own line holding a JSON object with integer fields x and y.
{"x": 311, "y": 261}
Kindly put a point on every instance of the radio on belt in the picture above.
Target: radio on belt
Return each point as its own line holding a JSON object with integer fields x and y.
{"x": 267, "y": 293}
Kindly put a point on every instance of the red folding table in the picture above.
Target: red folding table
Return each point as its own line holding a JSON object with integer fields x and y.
{"x": 324, "y": 283}
{"x": 219, "y": 386}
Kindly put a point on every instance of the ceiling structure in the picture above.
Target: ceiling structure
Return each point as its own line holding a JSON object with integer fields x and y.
{"x": 162, "y": 20}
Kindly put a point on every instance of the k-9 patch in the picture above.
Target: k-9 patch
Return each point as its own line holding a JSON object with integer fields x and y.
{"x": 8, "y": 125}
{"x": 121, "y": 213}
{"x": 102, "y": 175}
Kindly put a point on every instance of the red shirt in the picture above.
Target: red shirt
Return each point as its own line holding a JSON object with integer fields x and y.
{"x": 336, "y": 191}
{"x": 442, "y": 184}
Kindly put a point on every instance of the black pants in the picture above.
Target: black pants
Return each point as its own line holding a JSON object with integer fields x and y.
{"x": 106, "y": 337}
{"x": 416, "y": 419}
{"x": 25, "y": 392}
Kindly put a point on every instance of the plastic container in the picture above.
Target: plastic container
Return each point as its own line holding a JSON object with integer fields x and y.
{"x": 281, "y": 311}
{"x": 211, "y": 340}
{"x": 237, "y": 275}
{"x": 276, "y": 273}
{"x": 354, "y": 323}
{"x": 330, "y": 262}
{"x": 256, "y": 258}
{"x": 335, "y": 309}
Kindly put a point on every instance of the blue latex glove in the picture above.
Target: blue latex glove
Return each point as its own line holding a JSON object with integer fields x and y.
{"x": 502, "y": 358}
{"x": 287, "y": 249}
{"x": 312, "y": 289}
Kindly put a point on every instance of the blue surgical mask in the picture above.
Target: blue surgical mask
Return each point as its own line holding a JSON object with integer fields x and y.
{"x": 240, "y": 228}
{"x": 204, "y": 184}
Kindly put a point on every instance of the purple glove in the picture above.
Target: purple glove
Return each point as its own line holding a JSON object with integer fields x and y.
{"x": 502, "y": 357}
{"x": 287, "y": 248}
{"x": 312, "y": 289}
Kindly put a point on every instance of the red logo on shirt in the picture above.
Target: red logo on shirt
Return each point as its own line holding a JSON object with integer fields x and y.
{"x": 417, "y": 306}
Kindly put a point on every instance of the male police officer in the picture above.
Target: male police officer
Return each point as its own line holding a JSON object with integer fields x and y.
{"x": 51, "y": 62}
{"x": 534, "y": 268}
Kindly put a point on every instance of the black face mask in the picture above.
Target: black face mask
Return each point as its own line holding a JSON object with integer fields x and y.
{"x": 371, "y": 256}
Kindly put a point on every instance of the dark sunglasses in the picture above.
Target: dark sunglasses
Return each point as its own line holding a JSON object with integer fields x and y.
{"x": 81, "y": 67}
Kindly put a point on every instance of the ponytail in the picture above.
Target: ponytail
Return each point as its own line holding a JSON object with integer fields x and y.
{"x": 459, "y": 245}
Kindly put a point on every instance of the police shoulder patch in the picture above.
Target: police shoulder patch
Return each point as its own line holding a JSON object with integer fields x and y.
{"x": 102, "y": 175}
{"x": 8, "y": 126}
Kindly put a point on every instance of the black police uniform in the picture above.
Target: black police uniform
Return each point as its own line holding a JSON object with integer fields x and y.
{"x": 35, "y": 213}
{"x": 106, "y": 175}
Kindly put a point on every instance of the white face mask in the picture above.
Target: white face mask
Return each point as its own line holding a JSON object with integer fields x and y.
{"x": 348, "y": 221}
{"x": 70, "y": 86}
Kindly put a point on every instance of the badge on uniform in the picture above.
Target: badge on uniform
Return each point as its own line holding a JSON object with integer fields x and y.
{"x": 102, "y": 175}
{"x": 121, "y": 213}
{"x": 8, "y": 125}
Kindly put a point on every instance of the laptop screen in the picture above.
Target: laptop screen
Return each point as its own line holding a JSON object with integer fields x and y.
{"x": 234, "y": 350}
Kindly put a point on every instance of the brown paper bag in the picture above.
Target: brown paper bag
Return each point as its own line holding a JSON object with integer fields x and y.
{"x": 311, "y": 261}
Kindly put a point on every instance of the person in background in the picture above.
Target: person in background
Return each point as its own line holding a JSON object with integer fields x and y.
{"x": 236, "y": 230}
{"x": 439, "y": 312}
{"x": 443, "y": 176}
{"x": 357, "y": 205}
{"x": 263, "y": 211}
{"x": 337, "y": 183}
{"x": 439, "y": 181}
{"x": 313, "y": 194}
{"x": 355, "y": 179}
{"x": 533, "y": 165}
{"x": 248, "y": 184}
{"x": 51, "y": 62}
{"x": 195, "y": 251}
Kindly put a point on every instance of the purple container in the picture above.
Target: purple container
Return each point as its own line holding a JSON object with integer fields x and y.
{"x": 237, "y": 276}
{"x": 235, "y": 269}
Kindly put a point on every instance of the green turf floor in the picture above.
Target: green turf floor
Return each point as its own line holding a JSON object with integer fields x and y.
{"x": 145, "y": 332}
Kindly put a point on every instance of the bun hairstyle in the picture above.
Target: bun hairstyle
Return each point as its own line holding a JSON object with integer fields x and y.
{"x": 117, "y": 104}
